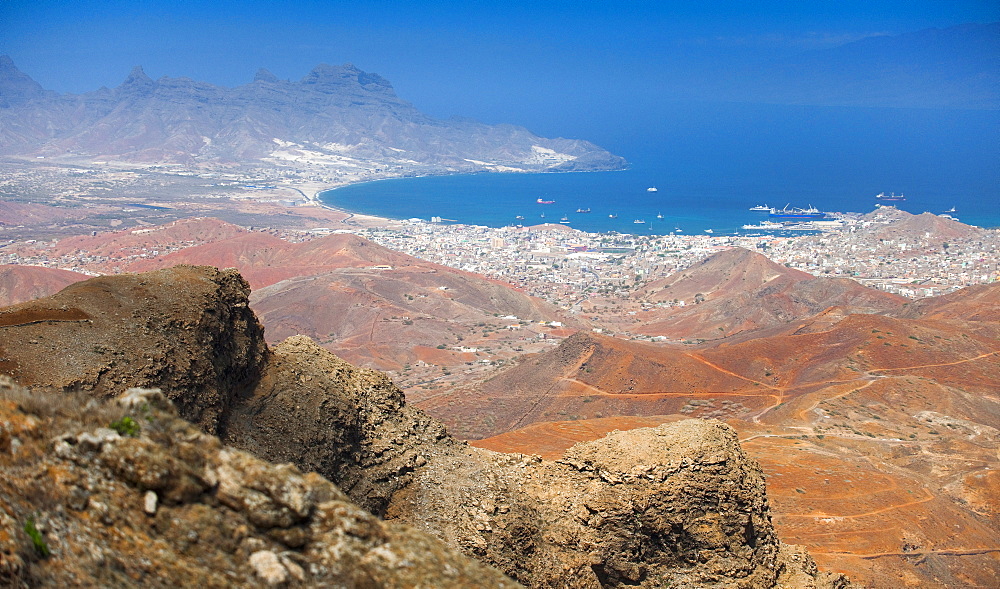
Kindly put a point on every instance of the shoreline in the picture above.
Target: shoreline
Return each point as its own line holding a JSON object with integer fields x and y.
{"x": 372, "y": 220}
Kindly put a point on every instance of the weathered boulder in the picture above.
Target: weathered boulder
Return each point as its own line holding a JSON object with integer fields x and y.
{"x": 676, "y": 505}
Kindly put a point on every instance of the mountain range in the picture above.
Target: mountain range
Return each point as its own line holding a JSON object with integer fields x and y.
{"x": 335, "y": 115}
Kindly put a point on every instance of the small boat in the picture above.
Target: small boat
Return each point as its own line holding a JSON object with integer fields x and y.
{"x": 890, "y": 197}
{"x": 659, "y": 215}
{"x": 639, "y": 222}
{"x": 543, "y": 215}
{"x": 760, "y": 208}
{"x": 519, "y": 217}
{"x": 545, "y": 202}
{"x": 565, "y": 219}
{"x": 651, "y": 189}
{"x": 613, "y": 216}
{"x": 678, "y": 230}
{"x": 587, "y": 210}
{"x": 951, "y": 210}
{"x": 765, "y": 225}
{"x": 709, "y": 231}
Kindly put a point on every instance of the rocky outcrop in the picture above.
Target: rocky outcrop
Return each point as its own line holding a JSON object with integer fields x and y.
{"x": 158, "y": 503}
{"x": 186, "y": 329}
{"x": 350, "y": 424}
{"x": 189, "y": 331}
{"x": 678, "y": 505}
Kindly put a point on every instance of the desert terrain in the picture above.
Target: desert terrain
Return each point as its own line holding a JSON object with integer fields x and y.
{"x": 875, "y": 417}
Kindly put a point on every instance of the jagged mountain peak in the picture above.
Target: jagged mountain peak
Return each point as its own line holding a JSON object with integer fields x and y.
{"x": 15, "y": 85}
{"x": 347, "y": 75}
{"x": 265, "y": 75}
{"x": 138, "y": 77}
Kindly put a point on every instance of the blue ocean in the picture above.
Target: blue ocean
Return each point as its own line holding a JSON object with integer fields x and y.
{"x": 710, "y": 164}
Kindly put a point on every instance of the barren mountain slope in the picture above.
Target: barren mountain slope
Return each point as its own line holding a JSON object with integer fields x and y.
{"x": 929, "y": 226}
{"x": 265, "y": 259}
{"x": 979, "y": 304}
{"x": 367, "y": 303}
{"x": 23, "y": 283}
{"x": 737, "y": 291}
{"x": 390, "y": 318}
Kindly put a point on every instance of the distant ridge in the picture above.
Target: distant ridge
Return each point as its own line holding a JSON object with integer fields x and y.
{"x": 335, "y": 115}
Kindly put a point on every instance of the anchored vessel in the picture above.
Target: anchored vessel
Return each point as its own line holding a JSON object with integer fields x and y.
{"x": 796, "y": 213}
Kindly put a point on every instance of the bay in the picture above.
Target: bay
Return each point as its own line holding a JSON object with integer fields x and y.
{"x": 711, "y": 163}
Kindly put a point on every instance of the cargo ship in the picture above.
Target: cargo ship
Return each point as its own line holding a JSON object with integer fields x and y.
{"x": 890, "y": 197}
{"x": 796, "y": 213}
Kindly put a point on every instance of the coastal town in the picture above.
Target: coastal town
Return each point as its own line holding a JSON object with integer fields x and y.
{"x": 564, "y": 265}
{"x": 888, "y": 249}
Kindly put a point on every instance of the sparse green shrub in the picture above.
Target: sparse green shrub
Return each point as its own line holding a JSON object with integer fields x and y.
{"x": 126, "y": 426}
{"x": 37, "y": 541}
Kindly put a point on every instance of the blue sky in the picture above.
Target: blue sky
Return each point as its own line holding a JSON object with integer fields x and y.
{"x": 520, "y": 62}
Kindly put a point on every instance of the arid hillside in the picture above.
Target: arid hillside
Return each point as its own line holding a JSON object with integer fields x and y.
{"x": 403, "y": 316}
{"x": 22, "y": 283}
{"x": 266, "y": 259}
{"x": 372, "y": 305}
{"x": 738, "y": 291}
{"x": 878, "y": 434}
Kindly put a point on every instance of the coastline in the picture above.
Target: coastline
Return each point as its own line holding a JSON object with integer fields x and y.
{"x": 368, "y": 219}
{"x": 684, "y": 212}
{"x": 311, "y": 193}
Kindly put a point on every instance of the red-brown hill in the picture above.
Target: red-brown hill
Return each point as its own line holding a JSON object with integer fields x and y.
{"x": 369, "y": 304}
{"x": 264, "y": 259}
{"x": 590, "y": 374}
{"x": 980, "y": 303}
{"x": 24, "y": 283}
{"x": 395, "y": 316}
{"x": 127, "y": 250}
{"x": 927, "y": 226}
{"x": 737, "y": 290}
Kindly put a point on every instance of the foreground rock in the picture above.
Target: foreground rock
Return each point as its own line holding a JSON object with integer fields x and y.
{"x": 674, "y": 506}
{"x": 678, "y": 505}
{"x": 164, "y": 505}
